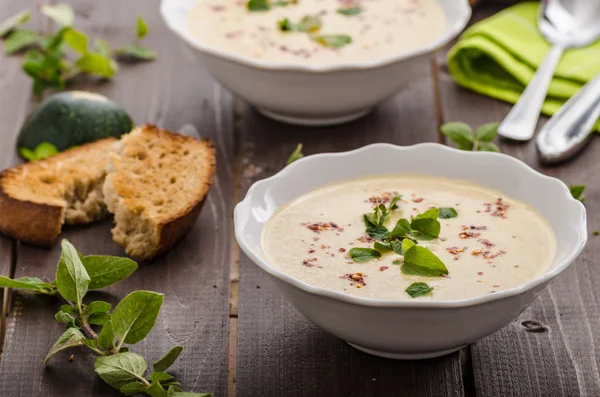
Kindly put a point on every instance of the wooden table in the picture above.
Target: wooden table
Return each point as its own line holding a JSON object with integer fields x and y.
{"x": 241, "y": 337}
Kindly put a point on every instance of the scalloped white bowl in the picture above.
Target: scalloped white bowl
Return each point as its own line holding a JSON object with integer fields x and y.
{"x": 315, "y": 94}
{"x": 412, "y": 329}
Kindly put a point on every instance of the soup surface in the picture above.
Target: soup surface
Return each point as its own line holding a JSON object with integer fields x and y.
{"x": 317, "y": 31}
{"x": 489, "y": 242}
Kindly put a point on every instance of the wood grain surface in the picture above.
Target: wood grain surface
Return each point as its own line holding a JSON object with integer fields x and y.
{"x": 194, "y": 275}
{"x": 279, "y": 351}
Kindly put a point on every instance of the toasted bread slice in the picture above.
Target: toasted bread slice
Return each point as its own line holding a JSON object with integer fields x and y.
{"x": 156, "y": 184}
{"x": 37, "y": 198}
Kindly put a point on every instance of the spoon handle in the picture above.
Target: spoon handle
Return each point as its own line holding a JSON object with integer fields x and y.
{"x": 566, "y": 132}
{"x": 522, "y": 119}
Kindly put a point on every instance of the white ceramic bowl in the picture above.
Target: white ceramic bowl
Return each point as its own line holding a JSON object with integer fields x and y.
{"x": 321, "y": 94}
{"x": 420, "y": 328}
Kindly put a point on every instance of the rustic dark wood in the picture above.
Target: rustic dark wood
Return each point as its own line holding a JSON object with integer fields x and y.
{"x": 193, "y": 275}
{"x": 563, "y": 359}
{"x": 279, "y": 351}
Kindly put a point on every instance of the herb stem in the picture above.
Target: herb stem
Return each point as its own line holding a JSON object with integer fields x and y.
{"x": 98, "y": 351}
{"x": 85, "y": 327}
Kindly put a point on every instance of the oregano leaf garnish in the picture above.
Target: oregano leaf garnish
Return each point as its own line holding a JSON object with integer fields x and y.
{"x": 419, "y": 289}
{"x": 463, "y": 136}
{"x": 447, "y": 213}
{"x": 349, "y": 11}
{"x": 361, "y": 255}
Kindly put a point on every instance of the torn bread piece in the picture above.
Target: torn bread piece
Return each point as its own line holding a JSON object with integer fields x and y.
{"x": 155, "y": 186}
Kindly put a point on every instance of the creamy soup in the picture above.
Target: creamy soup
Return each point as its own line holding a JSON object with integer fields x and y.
{"x": 488, "y": 242}
{"x": 317, "y": 31}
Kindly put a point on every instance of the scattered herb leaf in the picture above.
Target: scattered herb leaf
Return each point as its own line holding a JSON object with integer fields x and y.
{"x": 141, "y": 28}
{"x": 596, "y": 232}
{"x": 137, "y": 52}
{"x": 419, "y": 289}
{"x": 486, "y": 132}
{"x": 420, "y": 261}
{"x": 382, "y": 246}
{"x": 333, "y": 40}
{"x": 577, "y": 192}
{"x": 76, "y": 40}
{"x": 447, "y": 213}
{"x": 296, "y": 155}
{"x": 18, "y": 40}
{"x": 349, "y": 11}
{"x": 61, "y": 13}
{"x": 71, "y": 338}
{"x": 258, "y": 5}
{"x": 308, "y": 24}
{"x": 13, "y": 22}
{"x": 464, "y": 137}
{"x": 362, "y": 255}
{"x": 401, "y": 229}
{"x": 394, "y": 203}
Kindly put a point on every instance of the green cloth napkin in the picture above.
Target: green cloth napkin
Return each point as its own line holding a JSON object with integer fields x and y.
{"x": 499, "y": 55}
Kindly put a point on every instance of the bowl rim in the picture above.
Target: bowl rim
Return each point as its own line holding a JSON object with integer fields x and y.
{"x": 455, "y": 28}
{"x": 389, "y": 303}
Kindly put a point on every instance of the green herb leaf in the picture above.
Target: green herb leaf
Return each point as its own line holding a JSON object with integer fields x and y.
{"x": 156, "y": 390}
{"x": 258, "y": 5}
{"x": 349, "y": 11}
{"x": 71, "y": 338}
{"x": 18, "y": 40}
{"x": 308, "y": 24}
{"x": 488, "y": 147}
{"x": 393, "y": 204}
{"x": 62, "y": 13}
{"x": 296, "y": 155}
{"x": 107, "y": 270}
{"x": 132, "y": 388}
{"x": 95, "y": 63}
{"x": 102, "y": 47}
{"x": 68, "y": 309}
{"x": 487, "y": 132}
{"x": 432, "y": 213}
{"x": 401, "y": 229}
{"x": 447, "y": 213}
{"x": 419, "y": 289}
{"x": 106, "y": 337}
{"x": 397, "y": 247}
{"x": 459, "y": 133}
{"x": 333, "y": 40}
{"x": 11, "y": 23}
{"x": 378, "y": 232}
{"x": 577, "y": 192}
{"x": 76, "y": 40}
{"x": 383, "y": 246}
{"x": 137, "y": 52}
{"x": 72, "y": 279}
{"x": 425, "y": 228}
{"x": 420, "y": 261}
{"x": 407, "y": 244}
{"x": 160, "y": 377}
{"x": 141, "y": 28}
{"x": 168, "y": 359}
{"x": 63, "y": 317}
{"x": 120, "y": 369}
{"x": 98, "y": 318}
{"x": 283, "y": 3}
{"x": 135, "y": 315}
{"x": 27, "y": 284}
{"x": 97, "y": 307}
{"x": 361, "y": 255}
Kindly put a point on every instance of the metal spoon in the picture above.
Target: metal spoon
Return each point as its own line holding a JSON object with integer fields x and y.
{"x": 567, "y": 131}
{"x": 564, "y": 24}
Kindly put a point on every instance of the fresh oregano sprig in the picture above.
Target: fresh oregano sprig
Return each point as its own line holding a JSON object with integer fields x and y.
{"x": 466, "y": 139}
{"x": 47, "y": 60}
{"x": 129, "y": 323}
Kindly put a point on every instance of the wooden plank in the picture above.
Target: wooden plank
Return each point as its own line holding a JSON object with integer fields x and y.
{"x": 279, "y": 351}
{"x": 563, "y": 359}
{"x": 13, "y": 109}
{"x": 193, "y": 275}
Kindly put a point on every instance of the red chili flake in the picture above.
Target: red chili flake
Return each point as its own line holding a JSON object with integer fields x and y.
{"x": 382, "y": 268}
{"x": 456, "y": 257}
{"x": 234, "y": 34}
{"x": 495, "y": 286}
{"x": 342, "y": 249}
{"x": 487, "y": 243}
{"x": 307, "y": 263}
{"x": 323, "y": 226}
{"x": 492, "y": 292}
{"x": 516, "y": 266}
{"x": 500, "y": 208}
{"x": 417, "y": 199}
{"x": 358, "y": 279}
{"x": 350, "y": 262}
{"x": 323, "y": 246}
{"x": 480, "y": 273}
{"x": 383, "y": 199}
{"x": 479, "y": 212}
{"x": 455, "y": 250}
{"x": 311, "y": 251}
{"x": 366, "y": 239}
{"x": 476, "y": 252}
{"x": 315, "y": 239}
{"x": 457, "y": 204}
{"x": 472, "y": 227}
{"x": 332, "y": 255}
{"x": 465, "y": 235}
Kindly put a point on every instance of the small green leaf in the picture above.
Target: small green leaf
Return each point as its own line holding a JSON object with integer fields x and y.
{"x": 98, "y": 318}
{"x": 107, "y": 270}
{"x": 308, "y": 24}
{"x": 577, "y": 192}
{"x": 76, "y": 40}
{"x": 349, "y": 11}
{"x": 168, "y": 359}
{"x": 132, "y": 388}
{"x": 95, "y": 63}
{"x": 378, "y": 232}
{"x": 160, "y": 377}
{"x": 407, "y": 244}
{"x": 90, "y": 343}
{"x": 63, "y": 317}
{"x": 135, "y": 315}
{"x": 141, "y": 28}
{"x": 382, "y": 247}
{"x": 432, "y": 213}
{"x": 397, "y": 247}
{"x": 394, "y": 203}
{"x": 97, "y": 307}
{"x": 361, "y": 255}
{"x": 106, "y": 337}
{"x": 488, "y": 147}
{"x": 11, "y": 23}
{"x": 486, "y": 132}
{"x": 447, "y": 213}
{"x": 120, "y": 369}
{"x": 72, "y": 279}
{"x": 420, "y": 261}
{"x": 401, "y": 229}
{"x": 137, "y": 52}
{"x": 459, "y": 133}
{"x": 102, "y": 47}
{"x": 71, "y": 338}
{"x": 68, "y": 309}
{"x": 27, "y": 284}
{"x": 61, "y": 13}
{"x": 258, "y": 5}
{"x": 419, "y": 289}
{"x": 18, "y": 40}
{"x": 156, "y": 390}
{"x": 425, "y": 228}
{"x": 333, "y": 40}
{"x": 296, "y": 155}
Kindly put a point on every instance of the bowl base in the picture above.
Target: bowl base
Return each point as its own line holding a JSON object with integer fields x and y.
{"x": 314, "y": 121}
{"x": 405, "y": 356}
